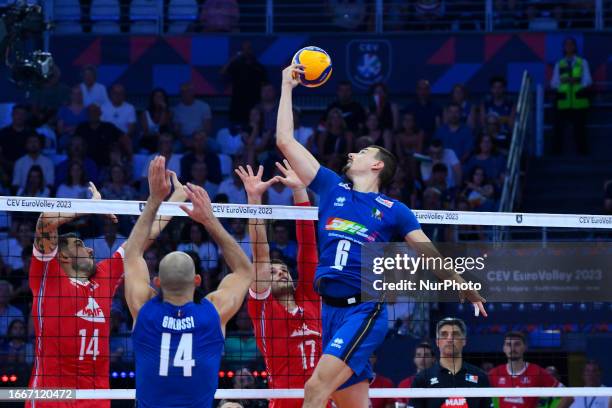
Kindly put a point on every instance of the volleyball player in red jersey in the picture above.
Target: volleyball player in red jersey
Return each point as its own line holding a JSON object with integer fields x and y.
{"x": 72, "y": 307}
{"x": 286, "y": 318}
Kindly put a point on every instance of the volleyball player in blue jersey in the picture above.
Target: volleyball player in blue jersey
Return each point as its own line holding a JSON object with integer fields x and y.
{"x": 177, "y": 343}
{"x": 350, "y": 215}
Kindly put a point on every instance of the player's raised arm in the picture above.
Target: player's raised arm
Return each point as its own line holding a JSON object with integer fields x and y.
{"x": 302, "y": 161}
{"x": 233, "y": 288}
{"x": 137, "y": 282}
{"x": 255, "y": 188}
{"x": 423, "y": 245}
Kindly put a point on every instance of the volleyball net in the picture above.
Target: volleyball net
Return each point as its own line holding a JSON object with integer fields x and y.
{"x": 546, "y": 279}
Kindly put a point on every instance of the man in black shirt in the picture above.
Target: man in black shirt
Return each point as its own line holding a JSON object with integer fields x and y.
{"x": 352, "y": 111}
{"x": 451, "y": 371}
{"x": 13, "y": 137}
{"x": 98, "y": 135}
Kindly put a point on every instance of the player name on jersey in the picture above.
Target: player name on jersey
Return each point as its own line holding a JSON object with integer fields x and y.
{"x": 178, "y": 324}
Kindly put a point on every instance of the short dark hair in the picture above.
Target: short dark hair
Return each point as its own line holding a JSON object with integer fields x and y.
{"x": 439, "y": 168}
{"x": 425, "y": 345}
{"x": 62, "y": 240}
{"x": 515, "y": 335}
{"x": 279, "y": 261}
{"x": 436, "y": 143}
{"x": 388, "y": 172}
{"x": 496, "y": 79}
{"x": 452, "y": 321}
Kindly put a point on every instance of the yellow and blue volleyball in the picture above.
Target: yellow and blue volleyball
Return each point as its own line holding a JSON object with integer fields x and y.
{"x": 317, "y": 66}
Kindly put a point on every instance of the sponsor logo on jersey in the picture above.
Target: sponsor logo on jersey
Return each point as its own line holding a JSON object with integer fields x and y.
{"x": 471, "y": 378}
{"x": 339, "y": 201}
{"x": 349, "y": 227}
{"x": 514, "y": 400}
{"x": 344, "y": 186}
{"x": 376, "y": 213}
{"x": 305, "y": 331}
{"x": 433, "y": 381}
{"x": 92, "y": 312}
{"x": 337, "y": 343}
{"x": 525, "y": 380}
{"x": 386, "y": 203}
{"x": 502, "y": 381}
{"x": 455, "y": 402}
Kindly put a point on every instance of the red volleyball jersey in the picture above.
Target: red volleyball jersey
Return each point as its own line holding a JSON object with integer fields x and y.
{"x": 72, "y": 325}
{"x": 290, "y": 340}
{"x": 531, "y": 376}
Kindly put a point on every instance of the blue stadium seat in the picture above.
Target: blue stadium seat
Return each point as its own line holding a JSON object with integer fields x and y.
{"x": 67, "y": 16}
{"x": 180, "y": 14}
{"x": 144, "y": 16}
{"x": 105, "y": 16}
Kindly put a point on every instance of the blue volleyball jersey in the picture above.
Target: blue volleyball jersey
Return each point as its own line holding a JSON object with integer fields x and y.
{"x": 178, "y": 353}
{"x": 348, "y": 219}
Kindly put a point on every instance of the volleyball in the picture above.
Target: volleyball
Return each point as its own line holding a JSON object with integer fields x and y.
{"x": 317, "y": 66}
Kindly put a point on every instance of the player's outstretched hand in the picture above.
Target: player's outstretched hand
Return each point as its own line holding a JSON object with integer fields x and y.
{"x": 290, "y": 75}
{"x": 179, "y": 188}
{"x": 202, "y": 208}
{"x": 95, "y": 195}
{"x": 253, "y": 184}
{"x": 290, "y": 178}
{"x": 478, "y": 301}
{"x": 159, "y": 179}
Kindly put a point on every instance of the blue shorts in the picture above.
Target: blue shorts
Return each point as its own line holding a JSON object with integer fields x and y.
{"x": 353, "y": 334}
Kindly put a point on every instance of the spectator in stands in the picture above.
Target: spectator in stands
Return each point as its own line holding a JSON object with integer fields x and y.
{"x": 451, "y": 370}
{"x": 247, "y": 76}
{"x": 51, "y": 95}
{"x": 386, "y": 111}
{"x": 335, "y": 141}
{"x": 231, "y": 139}
{"x": 455, "y": 135}
{"x": 485, "y": 157}
{"x": 303, "y": 134}
{"x": 8, "y": 313}
{"x": 76, "y": 185}
{"x": 352, "y": 111}
{"x": 119, "y": 112}
{"x": 105, "y": 245}
{"x": 519, "y": 373}
{"x": 200, "y": 153}
{"x": 591, "y": 377}
{"x": 238, "y": 230}
{"x": 572, "y": 81}
{"x": 196, "y": 239}
{"x": 376, "y": 134}
{"x": 243, "y": 379}
{"x": 117, "y": 188}
{"x": 12, "y": 137}
{"x": 439, "y": 181}
{"x": 121, "y": 346}
{"x": 493, "y": 130}
{"x": 33, "y": 157}
{"x": 432, "y": 200}
{"x": 282, "y": 242}
{"x": 99, "y": 136}
{"x": 427, "y": 114}
{"x": 479, "y": 191}
{"x": 164, "y": 148}
{"x": 430, "y": 14}
{"x": 348, "y": 15}
{"x": 12, "y": 247}
{"x": 199, "y": 177}
{"x": 18, "y": 278}
{"x": 16, "y": 347}
{"x": 76, "y": 152}
{"x": 71, "y": 115}
{"x": 35, "y": 184}
{"x": 268, "y": 107}
{"x": 408, "y": 139}
{"x": 157, "y": 118}
{"x": 93, "y": 92}
{"x": 508, "y": 15}
{"x": 608, "y": 197}
{"x": 279, "y": 194}
{"x": 380, "y": 381}
{"x": 468, "y": 110}
{"x": 218, "y": 16}
{"x": 191, "y": 114}
{"x": 232, "y": 186}
{"x": 445, "y": 156}
{"x": 498, "y": 103}
{"x": 256, "y": 140}
{"x": 423, "y": 359}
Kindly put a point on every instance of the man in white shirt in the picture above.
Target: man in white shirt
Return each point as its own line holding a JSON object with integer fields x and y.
{"x": 191, "y": 115}
{"x": 106, "y": 244}
{"x": 448, "y": 157}
{"x": 591, "y": 376}
{"x": 33, "y": 157}
{"x": 118, "y": 112}
{"x": 232, "y": 187}
{"x": 93, "y": 92}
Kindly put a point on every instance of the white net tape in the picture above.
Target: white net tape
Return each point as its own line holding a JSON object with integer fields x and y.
{"x": 278, "y": 212}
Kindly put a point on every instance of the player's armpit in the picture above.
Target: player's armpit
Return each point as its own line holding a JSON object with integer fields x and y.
{"x": 137, "y": 289}
{"x": 228, "y": 298}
